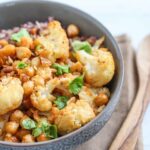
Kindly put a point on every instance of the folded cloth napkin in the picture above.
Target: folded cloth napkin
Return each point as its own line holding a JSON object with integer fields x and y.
{"x": 103, "y": 140}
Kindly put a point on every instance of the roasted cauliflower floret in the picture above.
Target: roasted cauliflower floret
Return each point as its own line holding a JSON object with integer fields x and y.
{"x": 11, "y": 94}
{"x": 41, "y": 99}
{"x": 61, "y": 84}
{"x": 73, "y": 116}
{"x": 87, "y": 94}
{"x": 44, "y": 72}
{"x": 99, "y": 67}
{"x": 66, "y": 79}
{"x": 54, "y": 39}
{"x": 52, "y": 84}
{"x": 64, "y": 82}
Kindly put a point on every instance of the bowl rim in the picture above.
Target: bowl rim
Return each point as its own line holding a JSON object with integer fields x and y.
{"x": 116, "y": 92}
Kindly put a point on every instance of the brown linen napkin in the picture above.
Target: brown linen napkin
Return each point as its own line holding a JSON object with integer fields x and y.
{"x": 104, "y": 138}
{"x": 129, "y": 132}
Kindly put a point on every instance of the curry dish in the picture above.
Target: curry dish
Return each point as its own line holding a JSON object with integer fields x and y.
{"x": 52, "y": 80}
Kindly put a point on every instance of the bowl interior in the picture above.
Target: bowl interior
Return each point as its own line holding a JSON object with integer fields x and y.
{"x": 18, "y": 12}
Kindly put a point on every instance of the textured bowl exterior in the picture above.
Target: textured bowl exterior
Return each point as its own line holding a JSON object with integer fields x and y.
{"x": 14, "y": 13}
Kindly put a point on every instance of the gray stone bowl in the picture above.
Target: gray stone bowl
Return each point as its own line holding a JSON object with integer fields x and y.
{"x": 14, "y": 13}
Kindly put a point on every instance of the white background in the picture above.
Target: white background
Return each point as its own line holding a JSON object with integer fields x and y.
{"x": 121, "y": 16}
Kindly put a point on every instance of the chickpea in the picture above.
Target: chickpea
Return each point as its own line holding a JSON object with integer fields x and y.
{"x": 29, "y": 71}
{"x": 26, "y": 42}
{"x": 28, "y": 87}
{"x": 19, "y": 71}
{"x": 42, "y": 137}
{"x": 16, "y": 116}
{"x": 11, "y": 127}
{"x": 38, "y": 80}
{"x": 36, "y": 42}
{"x": 7, "y": 50}
{"x": 3, "y": 42}
{"x": 23, "y": 52}
{"x": 54, "y": 112}
{"x": 22, "y": 132}
{"x": 24, "y": 77}
{"x": 42, "y": 53}
{"x": 9, "y": 138}
{"x": 72, "y": 30}
{"x": 101, "y": 99}
{"x": 28, "y": 138}
{"x": 76, "y": 67}
{"x": 33, "y": 31}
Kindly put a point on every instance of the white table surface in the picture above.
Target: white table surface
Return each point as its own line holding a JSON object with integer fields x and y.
{"x": 121, "y": 16}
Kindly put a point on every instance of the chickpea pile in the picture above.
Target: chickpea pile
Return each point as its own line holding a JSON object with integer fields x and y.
{"x": 52, "y": 82}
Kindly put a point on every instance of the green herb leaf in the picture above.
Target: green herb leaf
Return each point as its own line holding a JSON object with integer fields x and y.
{"x": 28, "y": 124}
{"x": 44, "y": 127}
{"x": 43, "y": 124}
{"x": 76, "y": 85}
{"x": 53, "y": 131}
{"x": 36, "y": 132}
{"x": 21, "y": 65}
{"x": 17, "y": 36}
{"x": 61, "y": 69}
{"x": 61, "y": 101}
{"x": 78, "y": 45}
